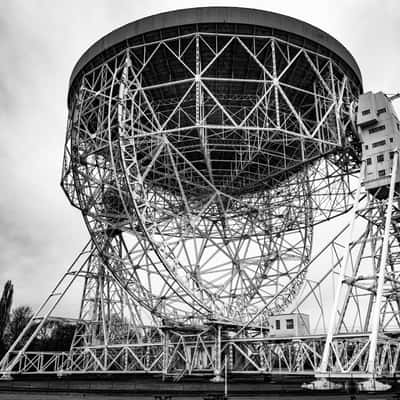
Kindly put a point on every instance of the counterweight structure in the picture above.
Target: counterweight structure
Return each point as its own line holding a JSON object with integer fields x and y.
{"x": 203, "y": 147}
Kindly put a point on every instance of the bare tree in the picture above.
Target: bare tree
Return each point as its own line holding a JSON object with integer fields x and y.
{"x": 5, "y": 307}
{"x": 20, "y": 317}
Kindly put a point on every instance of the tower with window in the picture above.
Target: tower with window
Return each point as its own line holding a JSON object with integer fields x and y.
{"x": 379, "y": 132}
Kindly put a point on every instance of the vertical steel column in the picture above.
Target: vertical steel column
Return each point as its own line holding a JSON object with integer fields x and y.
{"x": 165, "y": 358}
{"x": 343, "y": 268}
{"x": 375, "y": 317}
{"x": 198, "y": 83}
{"x": 335, "y": 99}
{"x": 275, "y": 83}
{"x": 101, "y": 303}
{"x": 218, "y": 356}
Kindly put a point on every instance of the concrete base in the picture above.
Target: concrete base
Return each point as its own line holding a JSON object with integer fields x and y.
{"x": 322, "y": 384}
{"x": 6, "y": 377}
{"x": 217, "y": 379}
{"x": 372, "y": 385}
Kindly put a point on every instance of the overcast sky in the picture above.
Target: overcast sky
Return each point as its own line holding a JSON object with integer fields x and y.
{"x": 40, "y": 41}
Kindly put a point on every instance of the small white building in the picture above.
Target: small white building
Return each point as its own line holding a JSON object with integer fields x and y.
{"x": 296, "y": 324}
{"x": 379, "y": 132}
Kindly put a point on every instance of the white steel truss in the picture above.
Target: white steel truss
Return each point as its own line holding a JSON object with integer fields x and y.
{"x": 195, "y": 175}
{"x": 367, "y": 295}
{"x": 202, "y": 182}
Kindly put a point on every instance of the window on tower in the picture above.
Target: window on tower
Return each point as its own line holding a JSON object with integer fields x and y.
{"x": 377, "y": 129}
{"x": 378, "y": 144}
{"x": 289, "y": 324}
{"x": 381, "y": 111}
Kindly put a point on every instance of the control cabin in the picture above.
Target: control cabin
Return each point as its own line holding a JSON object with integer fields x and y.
{"x": 379, "y": 132}
{"x": 296, "y": 324}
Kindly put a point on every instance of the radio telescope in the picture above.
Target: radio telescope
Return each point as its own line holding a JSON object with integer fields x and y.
{"x": 203, "y": 145}
{"x": 203, "y": 148}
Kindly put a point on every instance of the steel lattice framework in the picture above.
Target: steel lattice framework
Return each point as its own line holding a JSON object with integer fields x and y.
{"x": 204, "y": 147}
{"x": 186, "y": 176}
